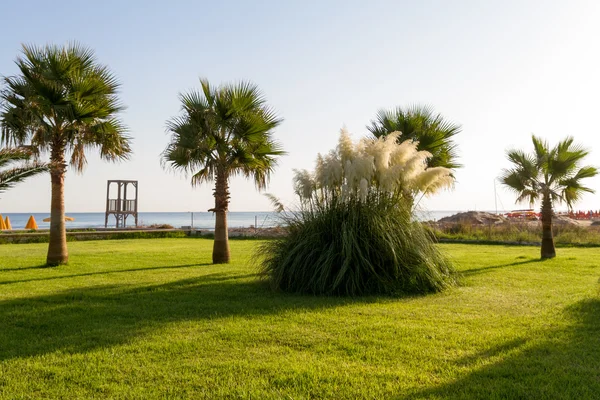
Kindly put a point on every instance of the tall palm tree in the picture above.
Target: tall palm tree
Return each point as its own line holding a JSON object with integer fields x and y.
{"x": 421, "y": 124}
{"x": 552, "y": 174}
{"x": 23, "y": 170}
{"x": 63, "y": 103}
{"x": 223, "y": 132}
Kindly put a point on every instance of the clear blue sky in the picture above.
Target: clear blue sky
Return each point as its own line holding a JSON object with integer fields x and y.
{"x": 502, "y": 69}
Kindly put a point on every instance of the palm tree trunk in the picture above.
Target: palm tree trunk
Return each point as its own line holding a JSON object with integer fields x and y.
{"x": 57, "y": 248}
{"x": 221, "y": 244}
{"x": 548, "y": 250}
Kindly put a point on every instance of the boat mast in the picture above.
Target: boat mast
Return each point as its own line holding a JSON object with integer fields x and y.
{"x": 495, "y": 197}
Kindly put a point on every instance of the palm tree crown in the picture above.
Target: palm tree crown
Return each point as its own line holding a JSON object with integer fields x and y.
{"x": 223, "y": 132}
{"x": 62, "y": 100}
{"x": 228, "y": 128}
{"x": 63, "y": 103}
{"x": 419, "y": 123}
{"x": 12, "y": 175}
{"x": 552, "y": 172}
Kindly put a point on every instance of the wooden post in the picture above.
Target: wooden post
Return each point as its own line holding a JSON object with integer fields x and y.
{"x": 107, "y": 204}
{"x": 119, "y": 185}
{"x": 125, "y": 204}
{"x": 136, "y": 203}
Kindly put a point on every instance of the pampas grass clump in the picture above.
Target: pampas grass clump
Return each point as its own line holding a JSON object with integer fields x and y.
{"x": 355, "y": 233}
{"x": 356, "y": 248}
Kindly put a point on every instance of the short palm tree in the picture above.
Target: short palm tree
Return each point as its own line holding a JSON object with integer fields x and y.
{"x": 421, "y": 124}
{"x": 12, "y": 174}
{"x": 549, "y": 174}
{"x": 62, "y": 103}
{"x": 223, "y": 132}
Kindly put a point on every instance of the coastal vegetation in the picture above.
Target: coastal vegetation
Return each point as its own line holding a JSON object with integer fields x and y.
{"x": 551, "y": 175}
{"x": 354, "y": 233}
{"x": 222, "y": 132}
{"x": 133, "y": 320}
{"x": 63, "y": 102}
{"x": 76, "y": 235}
{"x": 517, "y": 232}
{"x": 15, "y": 167}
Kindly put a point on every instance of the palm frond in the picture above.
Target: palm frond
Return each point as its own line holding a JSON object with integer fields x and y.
{"x": 275, "y": 202}
{"x": 11, "y": 155}
{"x": 540, "y": 147}
{"x": 12, "y": 176}
{"x": 586, "y": 172}
{"x": 566, "y": 158}
{"x": 550, "y": 172}
{"x": 419, "y": 123}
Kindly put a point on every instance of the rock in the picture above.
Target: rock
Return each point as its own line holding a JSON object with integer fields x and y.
{"x": 565, "y": 220}
{"x": 474, "y": 218}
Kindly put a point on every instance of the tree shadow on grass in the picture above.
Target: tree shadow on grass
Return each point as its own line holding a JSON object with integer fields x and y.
{"x": 41, "y": 266}
{"x": 83, "y": 319}
{"x": 566, "y": 365}
{"x": 118, "y": 271}
{"x": 481, "y": 270}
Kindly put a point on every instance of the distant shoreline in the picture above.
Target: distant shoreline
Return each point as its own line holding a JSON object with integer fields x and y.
{"x": 199, "y": 220}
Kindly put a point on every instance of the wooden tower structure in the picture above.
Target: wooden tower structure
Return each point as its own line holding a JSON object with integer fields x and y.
{"x": 121, "y": 206}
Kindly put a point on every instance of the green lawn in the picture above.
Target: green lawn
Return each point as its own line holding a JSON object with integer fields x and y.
{"x": 153, "y": 319}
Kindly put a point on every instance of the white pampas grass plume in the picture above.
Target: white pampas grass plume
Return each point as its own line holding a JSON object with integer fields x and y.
{"x": 363, "y": 189}
{"x": 331, "y": 171}
{"x": 433, "y": 179}
{"x": 372, "y": 165}
{"x": 349, "y": 173}
{"x": 415, "y": 165}
{"x": 361, "y": 167}
{"x": 403, "y": 152}
{"x": 304, "y": 184}
{"x": 381, "y": 149}
{"x": 345, "y": 146}
{"x": 319, "y": 176}
{"x": 391, "y": 178}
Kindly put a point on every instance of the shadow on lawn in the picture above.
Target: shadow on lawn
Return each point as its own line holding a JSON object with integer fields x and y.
{"x": 41, "y": 266}
{"x": 119, "y": 271}
{"x": 481, "y": 270}
{"x": 564, "y": 366}
{"x": 83, "y": 319}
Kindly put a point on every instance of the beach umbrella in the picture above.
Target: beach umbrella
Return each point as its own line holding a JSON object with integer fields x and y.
{"x": 31, "y": 224}
{"x": 7, "y": 224}
{"x": 1, "y": 223}
{"x": 66, "y": 219}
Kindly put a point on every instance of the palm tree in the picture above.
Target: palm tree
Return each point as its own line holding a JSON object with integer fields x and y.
{"x": 223, "y": 132}
{"x": 63, "y": 103}
{"x": 552, "y": 174}
{"x": 11, "y": 176}
{"x": 421, "y": 124}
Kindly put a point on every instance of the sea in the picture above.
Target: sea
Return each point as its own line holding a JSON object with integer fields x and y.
{"x": 197, "y": 220}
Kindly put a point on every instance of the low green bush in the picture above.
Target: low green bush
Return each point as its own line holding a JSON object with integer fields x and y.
{"x": 355, "y": 248}
{"x": 517, "y": 232}
{"x": 37, "y": 238}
